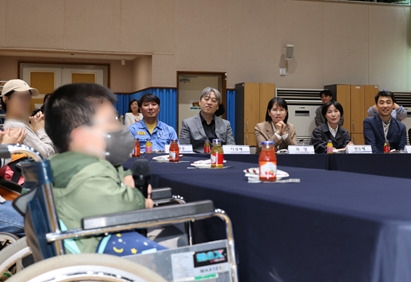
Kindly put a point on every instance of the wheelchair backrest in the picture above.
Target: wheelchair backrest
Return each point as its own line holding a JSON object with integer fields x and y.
{"x": 38, "y": 208}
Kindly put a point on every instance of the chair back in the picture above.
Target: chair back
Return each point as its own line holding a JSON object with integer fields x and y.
{"x": 37, "y": 206}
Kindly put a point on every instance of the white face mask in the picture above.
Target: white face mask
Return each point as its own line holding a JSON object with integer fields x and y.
{"x": 119, "y": 146}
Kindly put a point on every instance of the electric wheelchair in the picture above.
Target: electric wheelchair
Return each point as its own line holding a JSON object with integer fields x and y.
{"x": 45, "y": 240}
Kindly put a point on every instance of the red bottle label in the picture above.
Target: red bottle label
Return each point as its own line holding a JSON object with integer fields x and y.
{"x": 207, "y": 149}
{"x": 174, "y": 156}
{"x": 387, "y": 148}
{"x": 217, "y": 160}
{"x": 268, "y": 171}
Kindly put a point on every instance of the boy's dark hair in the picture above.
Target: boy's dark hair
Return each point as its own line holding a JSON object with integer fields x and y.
{"x": 129, "y": 105}
{"x": 70, "y": 106}
{"x": 332, "y": 103}
{"x": 148, "y": 98}
{"x": 384, "y": 93}
{"x": 280, "y": 102}
{"x": 326, "y": 92}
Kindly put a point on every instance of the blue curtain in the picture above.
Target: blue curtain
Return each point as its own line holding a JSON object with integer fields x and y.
{"x": 231, "y": 108}
{"x": 168, "y": 103}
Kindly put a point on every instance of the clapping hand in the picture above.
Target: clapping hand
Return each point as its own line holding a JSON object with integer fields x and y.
{"x": 13, "y": 136}
{"x": 37, "y": 121}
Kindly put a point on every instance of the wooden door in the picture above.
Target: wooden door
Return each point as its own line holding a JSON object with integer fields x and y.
{"x": 357, "y": 108}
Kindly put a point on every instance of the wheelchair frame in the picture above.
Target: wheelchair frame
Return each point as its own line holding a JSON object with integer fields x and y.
{"x": 39, "y": 174}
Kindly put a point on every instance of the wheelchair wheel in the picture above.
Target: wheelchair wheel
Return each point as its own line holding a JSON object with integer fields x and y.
{"x": 7, "y": 239}
{"x": 86, "y": 267}
{"x": 11, "y": 257}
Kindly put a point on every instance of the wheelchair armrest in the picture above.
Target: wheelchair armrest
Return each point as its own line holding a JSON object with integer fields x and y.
{"x": 161, "y": 193}
{"x": 146, "y": 215}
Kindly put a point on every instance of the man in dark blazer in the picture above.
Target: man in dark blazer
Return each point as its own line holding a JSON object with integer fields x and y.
{"x": 206, "y": 126}
{"x": 382, "y": 127}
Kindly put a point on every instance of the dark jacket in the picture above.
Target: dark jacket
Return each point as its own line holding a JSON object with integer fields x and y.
{"x": 321, "y": 135}
{"x": 192, "y": 132}
{"x": 374, "y": 134}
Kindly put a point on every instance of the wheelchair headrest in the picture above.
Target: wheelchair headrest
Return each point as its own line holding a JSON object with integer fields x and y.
{"x": 20, "y": 204}
{"x": 4, "y": 151}
{"x": 36, "y": 174}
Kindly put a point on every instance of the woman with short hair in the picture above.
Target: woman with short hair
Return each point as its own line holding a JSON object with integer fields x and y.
{"x": 330, "y": 131}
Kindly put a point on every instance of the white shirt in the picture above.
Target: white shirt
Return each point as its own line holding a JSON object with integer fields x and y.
{"x": 131, "y": 118}
{"x": 333, "y": 131}
{"x": 385, "y": 127}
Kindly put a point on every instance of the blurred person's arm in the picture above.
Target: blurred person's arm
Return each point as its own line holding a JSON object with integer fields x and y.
{"x": 372, "y": 111}
{"x": 401, "y": 112}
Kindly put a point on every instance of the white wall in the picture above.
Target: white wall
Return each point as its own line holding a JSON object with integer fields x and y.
{"x": 335, "y": 42}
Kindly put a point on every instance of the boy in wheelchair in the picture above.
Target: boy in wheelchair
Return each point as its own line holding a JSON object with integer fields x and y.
{"x": 88, "y": 177}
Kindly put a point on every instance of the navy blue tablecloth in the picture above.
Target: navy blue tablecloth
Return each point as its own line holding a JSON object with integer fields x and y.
{"x": 395, "y": 165}
{"x": 333, "y": 226}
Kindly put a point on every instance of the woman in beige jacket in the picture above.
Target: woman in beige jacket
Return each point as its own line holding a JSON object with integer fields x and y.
{"x": 275, "y": 127}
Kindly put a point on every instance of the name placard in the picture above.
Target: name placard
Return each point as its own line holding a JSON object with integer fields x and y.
{"x": 301, "y": 149}
{"x": 359, "y": 149}
{"x": 407, "y": 149}
{"x": 236, "y": 149}
{"x": 184, "y": 149}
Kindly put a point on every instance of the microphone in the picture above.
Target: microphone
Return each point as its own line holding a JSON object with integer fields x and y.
{"x": 141, "y": 175}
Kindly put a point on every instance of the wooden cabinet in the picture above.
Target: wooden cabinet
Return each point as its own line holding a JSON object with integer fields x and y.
{"x": 251, "y": 104}
{"x": 357, "y": 113}
{"x": 355, "y": 99}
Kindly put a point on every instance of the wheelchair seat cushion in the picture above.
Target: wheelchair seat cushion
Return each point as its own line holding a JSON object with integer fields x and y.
{"x": 127, "y": 243}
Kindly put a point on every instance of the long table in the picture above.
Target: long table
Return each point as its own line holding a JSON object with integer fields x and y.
{"x": 333, "y": 226}
{"x": 395, "y": 165}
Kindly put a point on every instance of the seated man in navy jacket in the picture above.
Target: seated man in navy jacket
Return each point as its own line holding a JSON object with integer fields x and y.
{"x": 382, "y": 127}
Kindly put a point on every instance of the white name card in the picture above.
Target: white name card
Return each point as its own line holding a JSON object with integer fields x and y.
{"x": 359, "y": 149}
{"x": 236, "y": 149}
{"x": 184, "y": 149}
{"x": 300, "y": 149}
{"x": 407, "y": 149}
